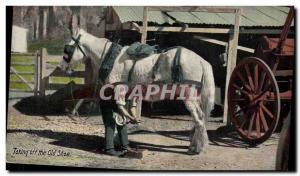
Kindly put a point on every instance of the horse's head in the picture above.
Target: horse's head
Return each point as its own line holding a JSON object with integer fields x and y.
{"x": 74, "y": 53}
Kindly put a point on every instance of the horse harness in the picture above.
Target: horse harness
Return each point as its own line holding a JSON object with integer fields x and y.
{"x": 115, "y": 50}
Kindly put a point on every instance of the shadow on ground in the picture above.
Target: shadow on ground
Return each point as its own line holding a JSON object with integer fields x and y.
{"x": 226, "y": 136}
{"x": 61, "y": 102}
{"x": 166, "y": 107}
{"x": 91, "y": 143}
{"x": 223, "y": 136}
{"x": 38, "y": 105}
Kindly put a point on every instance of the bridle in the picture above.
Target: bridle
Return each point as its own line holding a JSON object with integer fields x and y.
{"x": 70, "y": 49}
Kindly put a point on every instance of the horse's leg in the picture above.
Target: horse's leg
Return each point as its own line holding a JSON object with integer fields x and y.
{"x": 199, "y": 137}
{"x": 75, "y": 109}
{"x": 203, "y": 131}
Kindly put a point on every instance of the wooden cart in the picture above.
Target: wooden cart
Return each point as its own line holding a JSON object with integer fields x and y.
{"x": 260, "y": 85}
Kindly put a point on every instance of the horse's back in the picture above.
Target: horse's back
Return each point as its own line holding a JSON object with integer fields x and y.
{"x": 192, "y": 65}
{"x": 159, "y": 66}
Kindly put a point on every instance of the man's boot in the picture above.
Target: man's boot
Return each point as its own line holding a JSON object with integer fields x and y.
{"x": 113, "y": 152}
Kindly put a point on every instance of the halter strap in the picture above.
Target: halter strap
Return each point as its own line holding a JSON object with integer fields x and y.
{"x": 77, "y": 44}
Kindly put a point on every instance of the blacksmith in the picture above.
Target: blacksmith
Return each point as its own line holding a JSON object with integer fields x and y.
{"x": 112, "y": 109}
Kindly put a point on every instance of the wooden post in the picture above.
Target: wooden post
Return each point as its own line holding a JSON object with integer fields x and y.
{"x": 36, "y": 75}
{"x": 43, "y": 79}
{"x": 231, "y": 61}
{"x": 145, "y": 25}
{"x": 139, "y": 109}
{"x": 38, "y": 71}
{"x": 143, "y": 40}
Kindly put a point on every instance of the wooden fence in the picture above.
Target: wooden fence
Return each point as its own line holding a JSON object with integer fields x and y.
{"x": 30, "y": 84}
{"x": 44, "y": 70}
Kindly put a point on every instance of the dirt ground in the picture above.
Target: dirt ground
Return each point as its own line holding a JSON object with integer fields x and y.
{"x": 65, "y": 141}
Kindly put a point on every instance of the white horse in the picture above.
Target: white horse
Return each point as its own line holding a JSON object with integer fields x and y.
{"x": 193, "y": 66}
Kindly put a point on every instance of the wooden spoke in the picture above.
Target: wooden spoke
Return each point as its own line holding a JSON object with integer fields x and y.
{"x": 243, "y": 123}
{"x": 257, "y": 120}
{"x": 263, "y": 119}
{"x": 267, "y": 86}
{"x": 243, "y": 80}
{"x": 249, "y": 76}
{"x": 262, "y": 94}
{"x": 255, "y": 77}
{"x": 264, "y": 108}
{"x": 250, "y": 125}
{"x": 261, "y": 82}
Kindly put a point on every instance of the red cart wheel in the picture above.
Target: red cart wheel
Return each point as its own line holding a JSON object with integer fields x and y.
{"x": 253, "y": 100}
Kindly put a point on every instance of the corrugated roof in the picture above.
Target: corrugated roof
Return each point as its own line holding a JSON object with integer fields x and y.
{"x": 273, "y": 16}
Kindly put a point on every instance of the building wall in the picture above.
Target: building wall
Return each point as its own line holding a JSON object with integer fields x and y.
{"x": 19, "y": 39}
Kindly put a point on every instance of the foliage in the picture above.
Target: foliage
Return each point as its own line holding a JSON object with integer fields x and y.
{"x": 53, "y": 46}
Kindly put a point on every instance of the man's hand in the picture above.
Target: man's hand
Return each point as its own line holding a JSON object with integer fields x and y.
{"x": 124, "y": 112}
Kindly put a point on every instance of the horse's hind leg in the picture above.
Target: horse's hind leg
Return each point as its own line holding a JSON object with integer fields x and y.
{"x": 199, "y": 138}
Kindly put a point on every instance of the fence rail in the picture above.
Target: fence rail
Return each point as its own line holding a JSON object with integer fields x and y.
{"x": 23, "y": 73}
{"x": 22, "y": 64}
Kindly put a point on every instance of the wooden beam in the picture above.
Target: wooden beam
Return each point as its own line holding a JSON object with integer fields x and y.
{"x": 219, "y": 42}
{"x": 23, "y": 63}
{"x": 192, "y": 9}
{"x": 23, "y": 54}
{"x": 262, "y": 31}
{"x": 145, "y": 25}
{"x": 21, "y": 90}
{"x": 135, "y": 26}
{"x": 249, "y": 50}
{"x": 21, "y": 81}
{"x": 284, "y": 73}
{"x": 23, "y": 73}
{"x": 232, "y": 53}
{"x": 59, "y": 73}
{"x": 209, "y": 40}
{"x": 196, "y": 30}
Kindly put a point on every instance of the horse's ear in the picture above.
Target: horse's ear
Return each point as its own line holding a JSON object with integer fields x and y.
{"x": 74, "y": 24}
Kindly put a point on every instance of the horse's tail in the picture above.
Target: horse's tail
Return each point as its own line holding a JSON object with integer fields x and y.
{"x": 207, "y": 90}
